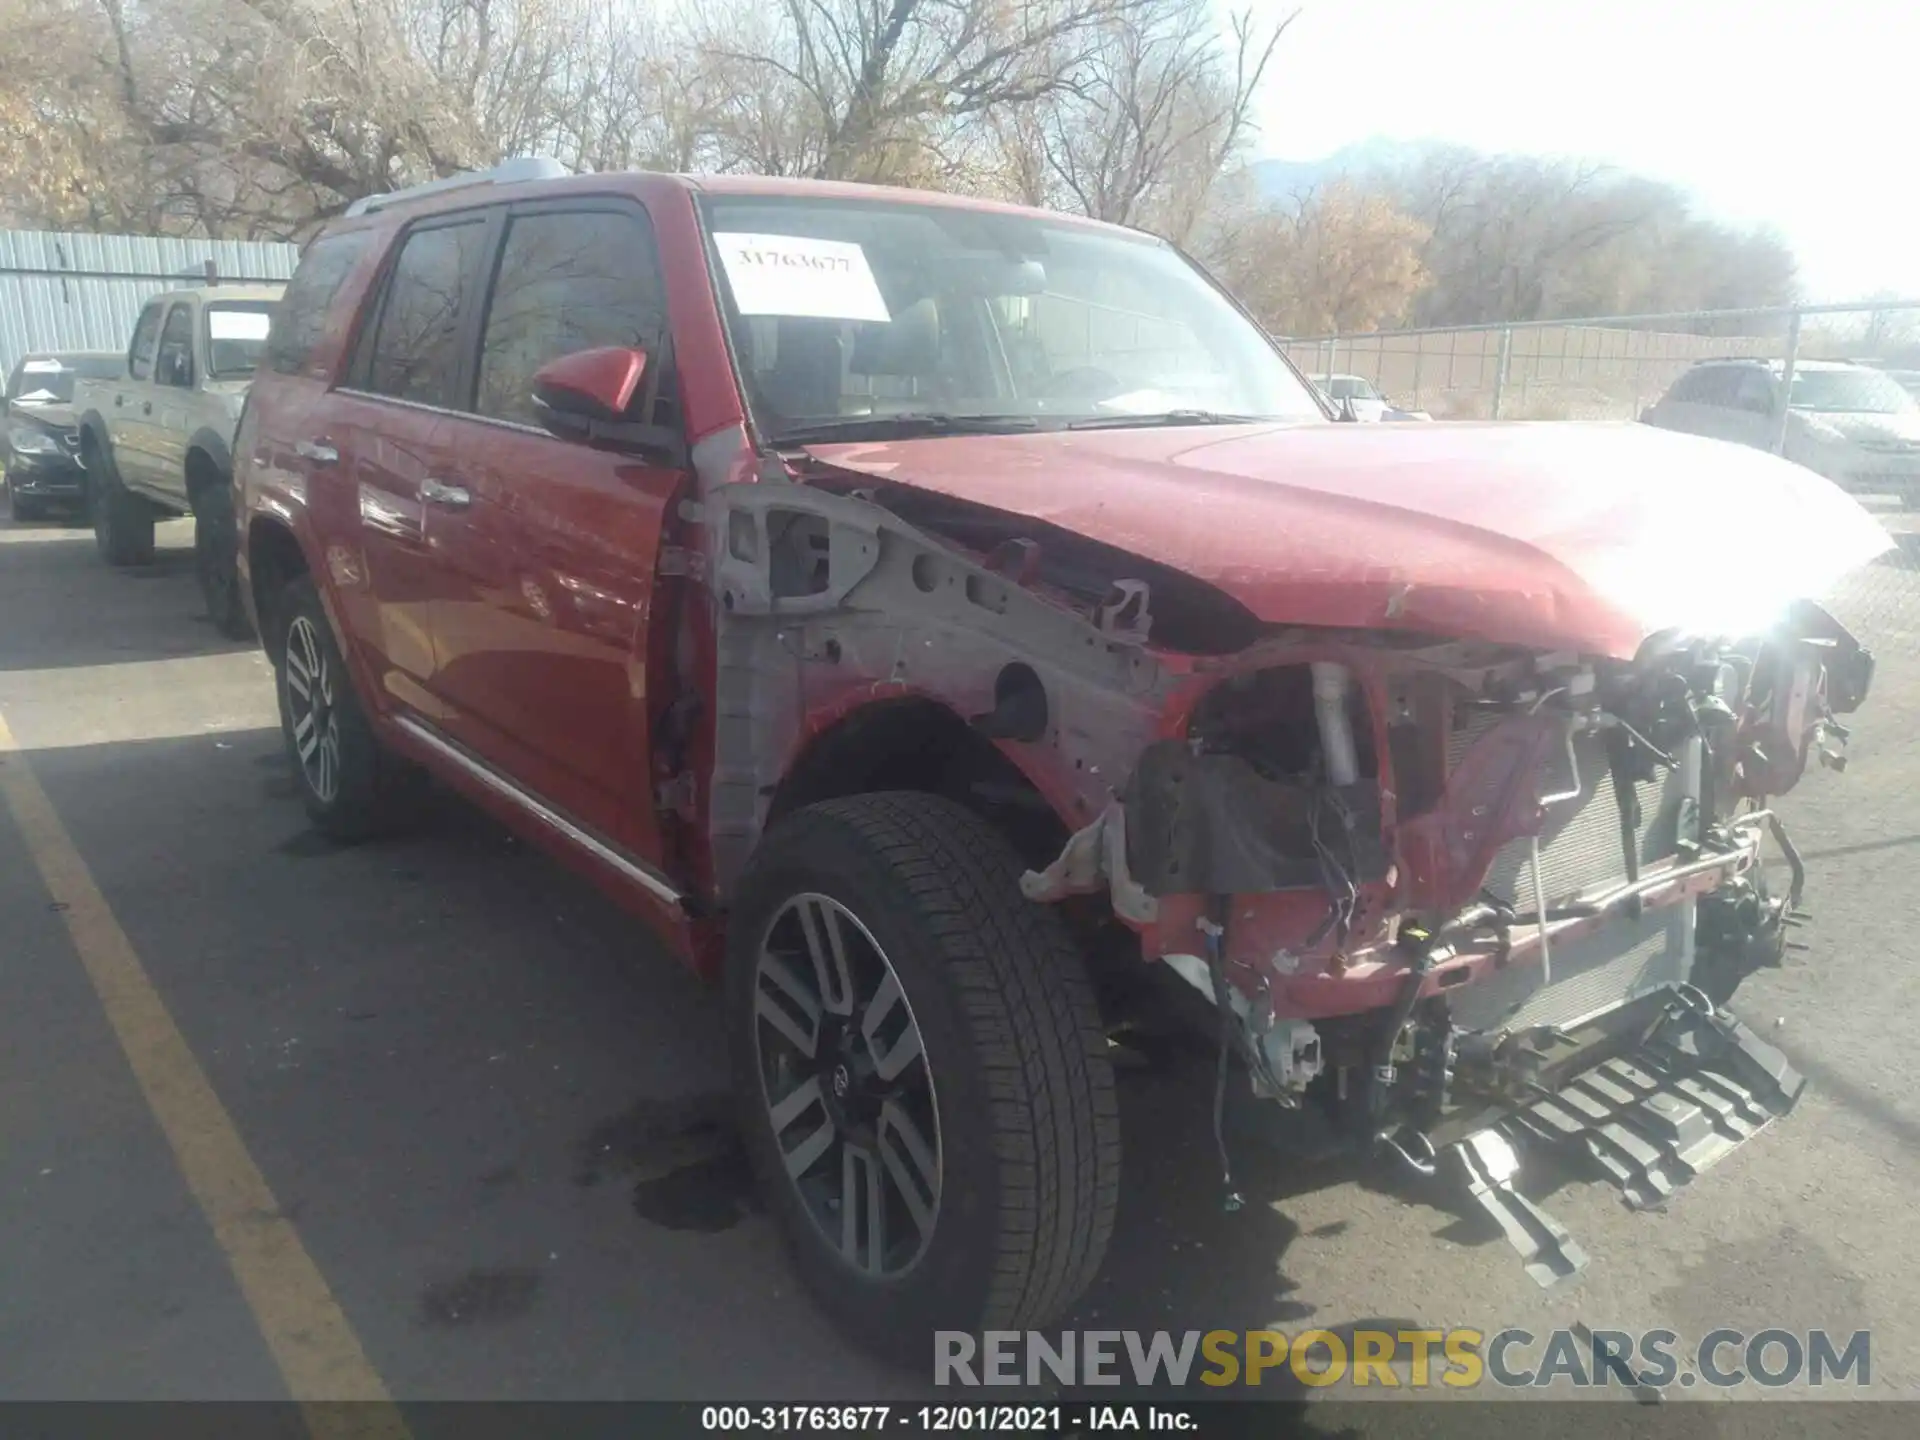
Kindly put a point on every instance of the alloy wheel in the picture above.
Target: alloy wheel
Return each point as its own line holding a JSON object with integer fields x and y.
{"x": 848, "y": 1091}
{"x": 310, "y": 710}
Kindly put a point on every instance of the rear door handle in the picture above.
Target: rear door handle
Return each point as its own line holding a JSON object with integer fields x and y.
{"x": 118, "y": 401}
{"x": 146, "y": 407}
{"x": 317, "y": 451}
{"x": 454, "y": 497}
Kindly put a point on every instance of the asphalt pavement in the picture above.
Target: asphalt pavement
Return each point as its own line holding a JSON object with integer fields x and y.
{"x": 490, "y": 1114}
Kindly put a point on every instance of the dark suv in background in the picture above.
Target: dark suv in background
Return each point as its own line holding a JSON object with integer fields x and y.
{"x": 41, "y": 446}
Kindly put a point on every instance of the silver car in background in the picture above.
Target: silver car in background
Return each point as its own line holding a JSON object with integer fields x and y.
{"x": 1857, "y": 426}
{"x": 1368, "y": 404}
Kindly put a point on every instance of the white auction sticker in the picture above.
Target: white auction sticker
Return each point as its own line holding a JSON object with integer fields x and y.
{"x": 799, "y": 275}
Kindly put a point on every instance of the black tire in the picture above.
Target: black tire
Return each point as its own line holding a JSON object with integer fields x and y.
{"x": 372, "y": 791}
{"x": 1027, "y": 1123}
{"x": 122, "y": 521}
{"x": 216, "y": 549}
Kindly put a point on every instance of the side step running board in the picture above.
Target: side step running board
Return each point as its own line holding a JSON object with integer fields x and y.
{"x": 1696, "y": 1087}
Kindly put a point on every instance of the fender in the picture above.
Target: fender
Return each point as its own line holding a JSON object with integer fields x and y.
{"x": 217, "y": 449}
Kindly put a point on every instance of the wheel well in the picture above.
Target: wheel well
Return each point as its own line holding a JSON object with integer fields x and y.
{"x": 202, "y": 471}
{"x": 274, "y": 558}
{"x": 919, "y": 744}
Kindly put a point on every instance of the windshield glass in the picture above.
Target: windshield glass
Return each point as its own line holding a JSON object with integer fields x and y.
{"x": 50, "y": 380}
{"x": 1858, "y": 392}
{"x": 843, "y": 313}
{"x": 236, "y": 337}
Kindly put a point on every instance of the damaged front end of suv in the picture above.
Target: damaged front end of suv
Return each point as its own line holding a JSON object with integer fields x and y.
{"x": 1454, "y": 824}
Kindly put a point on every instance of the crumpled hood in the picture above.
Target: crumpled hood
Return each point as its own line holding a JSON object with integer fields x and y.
{"x": 1583, "y": 537}
{"x": 1865, "y": 428}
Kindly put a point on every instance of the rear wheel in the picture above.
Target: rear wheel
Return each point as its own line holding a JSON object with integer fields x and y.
{"x": 925, "y": 1092}
{"x": 216, "y": 549}
{"x": 122, "y": 521}
{"x": 353, "y": 787}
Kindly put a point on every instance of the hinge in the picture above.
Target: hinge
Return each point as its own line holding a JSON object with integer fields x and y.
{"x": 675, "y": 795}
{"x": 677, "y": 561}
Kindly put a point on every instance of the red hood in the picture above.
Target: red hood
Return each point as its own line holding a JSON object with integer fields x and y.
{"x": 1558, "y": 536}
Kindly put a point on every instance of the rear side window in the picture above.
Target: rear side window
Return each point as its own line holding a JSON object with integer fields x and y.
{"x": 300, "y": 319}
{"x": 416, "y": 349}
{"x": 567, "y": 281}
{"x": 175, "y": 365}
{"x": 145, "y": 331}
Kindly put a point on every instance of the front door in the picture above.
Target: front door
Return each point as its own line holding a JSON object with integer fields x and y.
{"x": 548, "y": 547}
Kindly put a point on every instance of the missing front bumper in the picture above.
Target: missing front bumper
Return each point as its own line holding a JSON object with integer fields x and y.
{"x": 1650, "y": 1119}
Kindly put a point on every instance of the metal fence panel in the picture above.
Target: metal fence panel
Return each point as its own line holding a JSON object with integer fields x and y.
{"x": 83, "y": 292}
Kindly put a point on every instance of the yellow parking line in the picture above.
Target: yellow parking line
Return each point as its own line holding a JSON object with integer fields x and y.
{"x": 303, "y": 1325}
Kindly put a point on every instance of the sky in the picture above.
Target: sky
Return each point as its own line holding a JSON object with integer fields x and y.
{"x": 1802, "y": 115}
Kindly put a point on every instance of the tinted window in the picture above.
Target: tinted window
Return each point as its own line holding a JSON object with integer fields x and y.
{"x": 300, "y": 319}
{"x": 567, "y": 282}
{"x": 174, "y": 365}
{"x": 1755, "y": 392}
{"x": 140, "y": 354}
{"x": 416, "y": 353}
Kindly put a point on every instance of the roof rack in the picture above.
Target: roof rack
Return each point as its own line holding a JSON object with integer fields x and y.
{"x": 507, "y": 172}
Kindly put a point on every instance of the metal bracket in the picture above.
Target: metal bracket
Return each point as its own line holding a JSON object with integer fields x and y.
{"x": 1487, "y": 1163}
{"x": 1700, "y": 1085}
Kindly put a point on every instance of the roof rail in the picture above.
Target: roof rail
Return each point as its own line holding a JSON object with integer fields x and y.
{"x": 507, "y": 172}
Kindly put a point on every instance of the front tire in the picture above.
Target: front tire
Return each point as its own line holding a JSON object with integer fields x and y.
{"x": 925, "y": 1092}
{"x": 122, "y": 521}
{"x": 353, "y": 787}
{"x": 216, "y": 548}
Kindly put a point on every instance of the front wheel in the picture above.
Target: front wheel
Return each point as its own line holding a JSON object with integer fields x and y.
{"x": 354, "y": 788}
{"x": 216, "y": 549}
{"x": 927, "y": 1101}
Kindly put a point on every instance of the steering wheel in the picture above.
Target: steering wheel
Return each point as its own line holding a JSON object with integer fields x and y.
{"x": 1083, "y": 382}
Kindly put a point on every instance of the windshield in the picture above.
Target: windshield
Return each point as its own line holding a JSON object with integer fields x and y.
{"x": 50, "y": 379}
{"x": 1349, "y": 387}
{"x": 236, "y": 337}
{"x": 843, "y": 313}
{"x": 1855, "y": 392}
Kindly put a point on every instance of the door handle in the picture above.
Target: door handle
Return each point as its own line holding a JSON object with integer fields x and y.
{"x": 146, "y": 407}
{"x": 118, "y": 401}
{"x": 454, "y": 497}
{"x": 319, "y": 452}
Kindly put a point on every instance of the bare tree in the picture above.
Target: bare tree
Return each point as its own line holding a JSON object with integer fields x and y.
{"x": 1161, "y": 106}
{"x": 1335, "y": 259}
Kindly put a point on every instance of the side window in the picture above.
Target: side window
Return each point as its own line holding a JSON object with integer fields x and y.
{"x": 174, "y": 364}
{"x": 1755, "y": 392}
{"x": 416, "y": 350}
{"x": 568, "y": 281}
{"x": 140, "y": 353}
{"x": 300, "y": 319}
{"x": 1686, "y": 389}
{"x": 1717, "y": 385}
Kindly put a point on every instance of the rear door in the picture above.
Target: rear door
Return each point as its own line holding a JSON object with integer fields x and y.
{"x": 130, "y": 404}
{"x": 1754, "y": 420}
{"x": 543, "y": 628}
{"x": 163, "y": 417}
{"x": 386, "y": 428}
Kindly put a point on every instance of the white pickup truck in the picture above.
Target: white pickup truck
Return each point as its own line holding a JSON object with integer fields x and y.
{"x": 156, "y": 439}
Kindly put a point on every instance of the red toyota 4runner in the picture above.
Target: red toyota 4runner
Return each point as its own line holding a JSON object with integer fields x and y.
{"x": 922, "y": 610}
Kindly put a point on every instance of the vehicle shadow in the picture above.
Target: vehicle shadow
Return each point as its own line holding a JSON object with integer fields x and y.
{"x": 84, "y": 612}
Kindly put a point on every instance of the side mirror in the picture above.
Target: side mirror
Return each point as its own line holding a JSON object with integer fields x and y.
{"x": 588, "y": 385}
